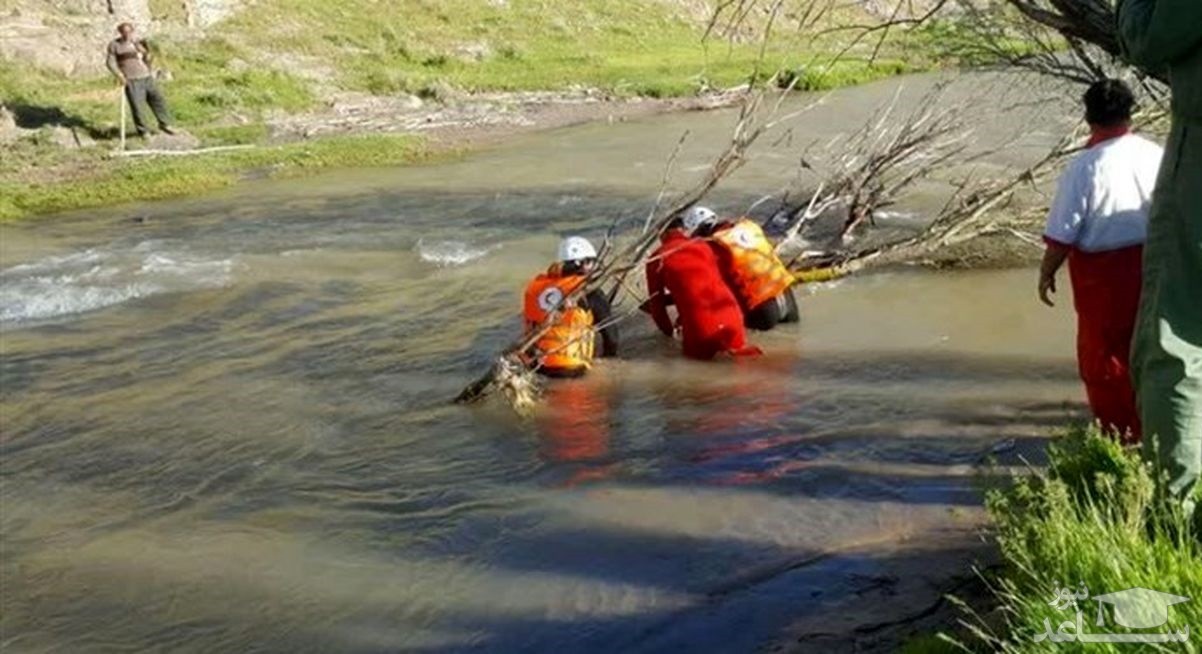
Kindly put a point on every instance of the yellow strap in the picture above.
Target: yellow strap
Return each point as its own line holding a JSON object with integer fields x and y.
{"x": 818, "y": 274}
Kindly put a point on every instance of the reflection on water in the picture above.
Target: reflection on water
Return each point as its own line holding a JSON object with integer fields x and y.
{"x": 225, "y": 428}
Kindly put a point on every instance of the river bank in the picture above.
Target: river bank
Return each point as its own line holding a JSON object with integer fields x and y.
{"x": 314, "y": 85}
{"x": 65, "y": 169}
{"x": 1081, "y": 528}
{"x": 360, "y": 131}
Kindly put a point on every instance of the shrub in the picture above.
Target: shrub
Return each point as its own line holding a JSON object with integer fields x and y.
{"x": 1092, "y": 518}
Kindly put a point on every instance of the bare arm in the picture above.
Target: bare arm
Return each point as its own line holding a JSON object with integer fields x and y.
{"x": 147, "y": 54}
{"x": 1053, "y": 259}
{"x": 603, "y": 316}
{"x": 655, "y": 299}
{"x": 110, "y": 60}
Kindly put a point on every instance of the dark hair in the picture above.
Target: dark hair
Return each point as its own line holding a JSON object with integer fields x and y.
{"x": 1108, "y": 103}
{"x": 121, "y": 26}
{"x": 576, "y": 267}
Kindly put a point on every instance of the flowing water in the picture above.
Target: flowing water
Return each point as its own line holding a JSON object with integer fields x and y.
{"x": 226, "y": 424}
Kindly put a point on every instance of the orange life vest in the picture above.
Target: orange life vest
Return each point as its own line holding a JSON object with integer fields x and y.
{"x": 758, "y": 274}
{"x": 568, "y": 344}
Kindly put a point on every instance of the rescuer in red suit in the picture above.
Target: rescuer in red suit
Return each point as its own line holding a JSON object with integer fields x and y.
{"x": 708, "y": 314}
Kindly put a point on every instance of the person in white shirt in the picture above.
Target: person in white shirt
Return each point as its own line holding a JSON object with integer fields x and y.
{"x": 1098, "y": 223}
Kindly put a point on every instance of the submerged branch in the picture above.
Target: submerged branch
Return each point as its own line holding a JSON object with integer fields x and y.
{"x": 509, "y": 372}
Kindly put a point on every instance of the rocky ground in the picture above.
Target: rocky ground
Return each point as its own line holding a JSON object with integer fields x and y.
{"x": 457, "y": 120}
{"x": 453, "y": 121}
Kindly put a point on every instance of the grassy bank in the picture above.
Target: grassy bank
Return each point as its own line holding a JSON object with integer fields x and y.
{"x": 1092, "y": 519}
{"x": 128, "y": 180}
{"x": 287, "y": 57}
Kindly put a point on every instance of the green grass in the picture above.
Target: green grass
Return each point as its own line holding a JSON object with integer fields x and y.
{"x": 286, "y": 56}
{"x": 622, "y": 46}
{"x": 989, "y": 38}
{"x": 127, "y": 180}
{"x": 203, "y": 91}
{"x": 1093, "y": 518}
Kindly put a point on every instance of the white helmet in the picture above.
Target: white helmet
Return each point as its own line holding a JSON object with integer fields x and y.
{"x": 575, "y": 248}
{"x": 695, "y": 217}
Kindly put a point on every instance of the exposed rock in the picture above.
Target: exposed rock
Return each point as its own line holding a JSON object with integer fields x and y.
{"x": 67, "y": 137}
{"x": 181, "y": 140}
{"x": 66, "y": 35}
{"x": 8, "y": 126}
{"x": 310, "y": 67}
{"x": 69, "y": 36}
{"x": 891, "y": 9}
{"x": 473, "y": 51}
{"x": 27, "y": 38}
{"x": 204, "y": 13}
{"x": 440, "y": 91}
{"x": 409, "y": 102}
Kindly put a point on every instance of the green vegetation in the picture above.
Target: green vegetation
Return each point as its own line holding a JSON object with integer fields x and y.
{"x": 131, "y": 179}
{"x": 1094, "y": 518}
{"x": 621, "y": 46}
{"x": 997, "y": 34}
{"x": 205, "y": 97}
{"x": 283, "y": 57}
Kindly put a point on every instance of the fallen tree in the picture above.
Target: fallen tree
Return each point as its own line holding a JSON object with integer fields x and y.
{"x": 875, "y": 164}
{"x": 1070, "y": 40}
{"x": 866, "y": 171}
{"x": 509, "y": 372}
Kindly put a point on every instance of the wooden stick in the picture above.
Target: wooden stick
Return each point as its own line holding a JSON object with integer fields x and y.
{"x": 121, "y": 103}
{"x": 182, "y": 153}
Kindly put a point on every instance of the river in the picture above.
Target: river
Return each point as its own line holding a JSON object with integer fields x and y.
{"x": 225, "y": 420}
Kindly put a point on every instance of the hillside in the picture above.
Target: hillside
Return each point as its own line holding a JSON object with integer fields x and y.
{"x": 280, "y": 71}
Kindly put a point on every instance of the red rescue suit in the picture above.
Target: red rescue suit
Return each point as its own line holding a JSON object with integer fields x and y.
{"x": 1106, "y": 289}
{"x": 708, "y": 314}
{"x": 1106, "y": 292}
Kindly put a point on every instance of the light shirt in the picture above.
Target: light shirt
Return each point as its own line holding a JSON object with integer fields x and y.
{"x": 129, "y": 58}
{"x": 1103, "y": 198}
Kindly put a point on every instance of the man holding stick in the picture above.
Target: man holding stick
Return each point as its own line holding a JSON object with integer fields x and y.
{"x": 129, "y": 59}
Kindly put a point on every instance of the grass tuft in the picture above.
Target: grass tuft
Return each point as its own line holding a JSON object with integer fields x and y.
{"x": 1093, "y": 518}
{"x": 140, "y": 179}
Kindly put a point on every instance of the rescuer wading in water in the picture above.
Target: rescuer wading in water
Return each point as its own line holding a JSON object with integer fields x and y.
{"x": 566, "y": 348}
{"x": 748, "y": 263}
{"x": 708, "y": 314}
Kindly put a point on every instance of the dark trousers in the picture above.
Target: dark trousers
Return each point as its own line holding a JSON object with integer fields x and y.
{"x": 780, "y": 309}
{"x": 145, "y": 91}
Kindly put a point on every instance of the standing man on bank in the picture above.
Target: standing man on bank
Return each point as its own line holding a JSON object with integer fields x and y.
{"x": 129, "y": 58}
{"x": 1166, "y": 36}
{"x": 1098, "y": 223}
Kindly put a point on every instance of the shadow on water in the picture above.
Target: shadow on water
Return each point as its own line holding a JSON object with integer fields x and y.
{"x": 733, "y": 618}
{"x": 646, "y": 581}
{"x": 281, "y": 454}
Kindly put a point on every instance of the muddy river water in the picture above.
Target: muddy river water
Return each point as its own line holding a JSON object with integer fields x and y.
{"x": 225, "y": 421}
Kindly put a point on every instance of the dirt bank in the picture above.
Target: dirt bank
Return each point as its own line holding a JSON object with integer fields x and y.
{"x": 350, "y": 130}
{"x": 468, "y": 121}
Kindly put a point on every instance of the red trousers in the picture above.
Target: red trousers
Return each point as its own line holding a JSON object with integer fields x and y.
{"x": 709, "y": 316}
{"x": 710, "y": 340}
{"x": 1106, "y": 289}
